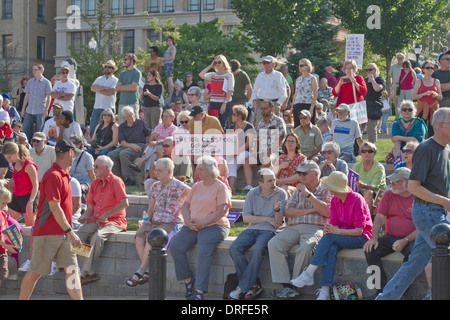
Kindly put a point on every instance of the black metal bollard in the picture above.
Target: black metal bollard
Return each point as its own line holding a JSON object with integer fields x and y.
{"x": 157, "y": 264}
{"x": 440, "y": 234}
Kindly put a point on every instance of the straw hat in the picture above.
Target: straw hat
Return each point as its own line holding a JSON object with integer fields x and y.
{"x": 110, "y": 63}
{"x": 337, "y": 182}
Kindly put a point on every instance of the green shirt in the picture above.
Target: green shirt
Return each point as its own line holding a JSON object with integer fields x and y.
{"x": 309, "y": 139}
{"x": 241, "y": 80}
{"x": 376, "y": 176}
{"x": 128, "y": 77}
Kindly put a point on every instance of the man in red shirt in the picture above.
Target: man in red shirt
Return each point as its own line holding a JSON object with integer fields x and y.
{"x": 105, "y": 214}
{"x": 53, "y": 236}
{"x": 393, "y": 211}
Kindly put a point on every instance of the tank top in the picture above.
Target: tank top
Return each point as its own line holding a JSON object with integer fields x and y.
{"x": 104, "y": 136}
{"x": 168, "y": 55}
{"x": 22, "y": 181}
{"x": 427, "y": 99}
{"x": 407, "y": 83}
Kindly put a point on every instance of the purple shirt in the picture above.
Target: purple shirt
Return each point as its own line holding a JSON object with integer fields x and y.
{"x": 351, "y": 214}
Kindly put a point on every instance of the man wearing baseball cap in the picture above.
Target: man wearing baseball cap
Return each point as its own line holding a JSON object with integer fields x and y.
{"x": 202, "y": 122}
{"x": 64, "y": 91}
{"x": 53, "y": 236}
{"x": 393, "y": 211}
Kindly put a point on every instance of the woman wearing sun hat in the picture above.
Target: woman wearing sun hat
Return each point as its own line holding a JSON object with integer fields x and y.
{"x": 350, "y": 227}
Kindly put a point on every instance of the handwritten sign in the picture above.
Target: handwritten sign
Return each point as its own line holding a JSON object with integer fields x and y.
{"x": 233, "y": 216}
{"x": 206, "y": 144}
{"x": 358, "y": 112}
{"x": 353, "y": 178}
{"x": 354, "y": 48}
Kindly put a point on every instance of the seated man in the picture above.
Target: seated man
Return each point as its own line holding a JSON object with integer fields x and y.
{"x": 105, "y": 214}
{"x": 133, "y": 135}
{"x": 309, "y": 136}
{"x": 393, "y": 211}
{"x": 263, "y": 210}
{"x": 271, "y": 131}
{"x": 51, "y": 128}
{"x": 67, "y": 126}
{"x": 307, "y": 210}
{"x": 202, "y": 122}
{"x": 345, "y": 132}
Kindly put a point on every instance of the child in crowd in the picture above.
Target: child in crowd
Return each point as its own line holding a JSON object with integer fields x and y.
{"x": 19, "y": 136}
{"x": 382, "y": 123}
{"x": 322, "y": 124}
{"x": 319, "y": 111}
{"x": 5, "y": 247}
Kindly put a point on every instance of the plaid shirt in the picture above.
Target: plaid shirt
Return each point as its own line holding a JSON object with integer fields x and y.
{"x": 299, "y": 201}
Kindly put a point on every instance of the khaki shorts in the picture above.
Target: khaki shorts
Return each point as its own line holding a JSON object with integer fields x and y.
{"x": 48, "y": 248}
{"x": 4, "y": 271}
{"x": 144, "y": 230}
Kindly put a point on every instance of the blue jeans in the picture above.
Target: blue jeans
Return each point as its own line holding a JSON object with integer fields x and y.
{"x": 384, "y": 117}
{"x": 104, "y": 152}
{"x": 327, "y": 250}
{"x": 247, "y": 270}
{"x": 28, "y": 122}
{"x": 223, "y": 118}
{"x": 425, "y": 217}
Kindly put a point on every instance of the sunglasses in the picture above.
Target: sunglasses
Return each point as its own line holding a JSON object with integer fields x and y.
{"x": 428, "y": 68}
{"x": 407, "y": 109}
{"x": 108, "y": 67}
{"x": 65, "y": 72}
{"x": 367, "y": 151}
{"x": 369, "y": 69}
{"x": 407, "y": 151}
{"x": 184, "y": 122}
{"x": 166, "y": 145}
{"x": 217, "y": 62}
{"x": 302, "y": 65}
{"x": 191, "y": 94}
{"x": 448, "y": 59}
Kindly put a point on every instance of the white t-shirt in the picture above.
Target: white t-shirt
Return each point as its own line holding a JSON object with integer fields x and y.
{"x": 345, "y": 133}
{"x": 76, "y": 192}
{"x": 103, "y": 101}
{"x": 65, "y": 87}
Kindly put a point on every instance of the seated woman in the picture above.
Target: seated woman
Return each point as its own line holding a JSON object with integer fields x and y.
{"x": 83, "y": 165}
{"x": 407, "y": 153}
{"x": 205, "y": 224}
{"x": 372, "y": 176}
{"x": 246, "y": 132}
{"x": 183, "y": 119}
{"x": 223, "y": 171}
{"x": 285, "y": 168}
{"x": 106, "y": 135}
{"x": 407, "y": 128}
{"x": 331, "y": 161}
{"x": 167, "y": 196}
{"x": 350, "y": 227}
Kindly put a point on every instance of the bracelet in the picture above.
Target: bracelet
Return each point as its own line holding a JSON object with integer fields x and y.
{"x": 406, "y": 238}
{"x": 31, "y": 200}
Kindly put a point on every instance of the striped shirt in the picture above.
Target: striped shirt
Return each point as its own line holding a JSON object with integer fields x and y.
{"x": 299, "y": 201}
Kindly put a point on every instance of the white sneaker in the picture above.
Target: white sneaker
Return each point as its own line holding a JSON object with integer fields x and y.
{"x": 247, "y": 188}
{"x": 323, "y": 294}
{"x": 54, "y": 269}
{"x": 25, "y": 267}
{"x": 236, "y": 294}
{"x": 304, "y": 279}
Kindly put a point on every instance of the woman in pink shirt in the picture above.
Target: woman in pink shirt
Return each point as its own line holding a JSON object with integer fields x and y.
{"x": 350, "y": 227}
{"x": 406, "y": 80}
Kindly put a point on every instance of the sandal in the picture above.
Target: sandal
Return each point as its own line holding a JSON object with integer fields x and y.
{"x": 144, "y": 279}
{"x": 190, "y": 287}
{"x": 196, "y": 296}
{"x": 134, "y": 167}
{"x": 133, "y": 283}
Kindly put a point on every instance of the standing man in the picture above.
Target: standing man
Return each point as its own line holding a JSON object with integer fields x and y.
{"x": 128, "y": 85}
{"x": 263, "y": 211}
{"x": 105, "y": 94}
{"x": 393, "y": 75}
{"x": 242, "y": 88}
{"x": 269, "y": 84}
{"x": 36, "y": 102}
{"x": 52, "y": 232}
{"x": 443, "y": 75}
{"x": 153, "y": 63}
{"x": 429, "y": 183}
{"x": 105, "y": 214}
{"x": 64, "y": 91}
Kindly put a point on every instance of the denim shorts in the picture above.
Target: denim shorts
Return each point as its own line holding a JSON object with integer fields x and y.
{"x": 168, "y": 69}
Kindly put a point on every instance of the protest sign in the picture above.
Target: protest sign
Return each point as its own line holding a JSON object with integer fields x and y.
{"x": 353, "y": 178}
{"x": 354, "y": 48}
{"x": 12, "y": 233}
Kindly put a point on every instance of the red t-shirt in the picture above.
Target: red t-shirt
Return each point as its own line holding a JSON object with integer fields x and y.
{"x": 397, "y": 210}
{"x": 22, "y": 181}
{"x": 55, "y": 186}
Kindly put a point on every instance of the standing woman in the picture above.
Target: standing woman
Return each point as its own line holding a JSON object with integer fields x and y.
{"x": 406, "y": 81}
{"x": 306, "y": 88}
{"x": 169, "y": 57}
{"x": 350, "y": 88}
{"x": 222, "y": 87}
{"x": 25, "y": 179}
{"x": 374, "y": 103}
{"x": 428, "y": 93}
{"x": 151, "y": 93}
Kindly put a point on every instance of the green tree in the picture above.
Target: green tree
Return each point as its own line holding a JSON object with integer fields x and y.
{"x": 315, "y": 41}
{"x": 272, "y": 24}
{"x": 401, "y": 22}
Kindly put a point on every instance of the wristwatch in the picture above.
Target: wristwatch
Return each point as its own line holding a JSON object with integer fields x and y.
{"x": 68, "y": 230}
{"x": 277, "y": 210}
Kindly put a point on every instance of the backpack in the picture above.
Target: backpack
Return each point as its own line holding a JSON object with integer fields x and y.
{"x": 346, "y": 291}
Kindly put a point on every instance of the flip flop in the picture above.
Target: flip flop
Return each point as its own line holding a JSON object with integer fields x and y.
{"x": 134, "y": 167}
{"x": 144, "y": 279}
{"x": 133, "y": 283}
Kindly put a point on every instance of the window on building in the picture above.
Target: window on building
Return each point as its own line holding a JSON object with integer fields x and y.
{"x": 7, "y": 9}
{"x": 91, "y": 8}
{"x": 152, "y": 35}
{"x": 128, "y": 6}
{"x": 7, "y": 49}
{"x": 40, "y": 48}
{"x": 193, "y": 5}
{"x": 114, "y": 6}
{"x": 168, "y": 5}
{"x": 230, "y": 4}
{"x": 41, "y": 10}
{"x": 79, "y": 4}
{"x": 209, "y": 5}
{"x": 153, "y": 6}
{"x": 76, "y": 40}
{"x": 128, "y": 41}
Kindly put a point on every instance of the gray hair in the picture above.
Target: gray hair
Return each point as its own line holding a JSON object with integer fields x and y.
{"x": 126, "y": 110}
{"x": 210, "y": 164}
{"x": 168, "y": 139}
{"x": 77, "y": 139}
{"x": 183, "y": 114}
{"x": 409, "y": 103}
{"x": 195, "y": 90}
{"x": 264, "y": 172}
{"x": 334, "y": 145}
{"x": 440, "y": 116}
{"x": 166, "y": 163}
{"x": 180, "y": 83}
{"x": 106, "y": 161}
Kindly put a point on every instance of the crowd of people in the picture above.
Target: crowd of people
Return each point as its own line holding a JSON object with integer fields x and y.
{"x": 68, "y": 181}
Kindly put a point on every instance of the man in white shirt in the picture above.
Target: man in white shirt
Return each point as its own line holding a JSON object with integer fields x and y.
{"x": 105, "y": 94}
{"x": 269, "y": 85}
{"x": 64, "y": 90}
{"x": 51, "y": 129}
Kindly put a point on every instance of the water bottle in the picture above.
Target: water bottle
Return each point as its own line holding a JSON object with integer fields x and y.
{"x": 145, "y": 216}
{"x": 178, "y": 227}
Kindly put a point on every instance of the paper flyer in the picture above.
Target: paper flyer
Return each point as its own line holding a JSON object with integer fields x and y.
{"x": 12, "y": 233}
{"x": 84, "y": 250}
{"x": 353, "y": 178}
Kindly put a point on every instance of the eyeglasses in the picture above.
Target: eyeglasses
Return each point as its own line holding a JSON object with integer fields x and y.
{"x": 369, "y": 69}
{"x": 191, "y": 94}
{"x": 367, "y": 151}
{"x": 266, "y": 62}
{"x": 166, "y": 145}
{"x": 64, "y": 72}
{"x": 408, "y": 151}
{"x": 428, "y": 68}
{"x": 184, "y": 122}
{"x": 328, "y": 152}
{"x": 448, "y": 59}
{"x": 178, "y": 103}
{"x": 407, "y": 109}
{"x": 217, "y": 62}
{"x": 291, "y": 141}
{"x": 265, "y": 108}
{"x": 302, "y": 65}
{"x": 36, "y": 141}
